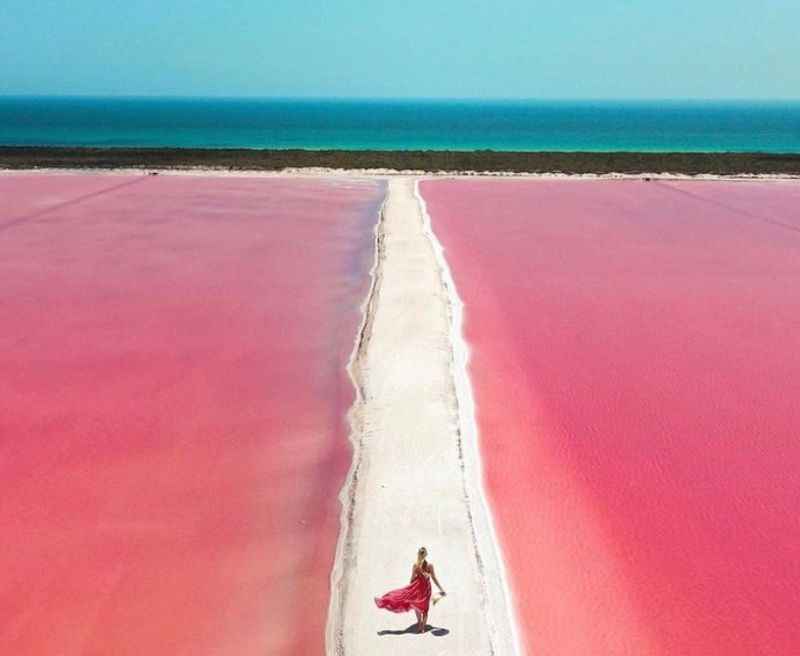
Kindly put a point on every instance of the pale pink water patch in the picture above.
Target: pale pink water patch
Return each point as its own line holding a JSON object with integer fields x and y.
{"x": 636, "y": 366}
{"x": 173, "y": 434}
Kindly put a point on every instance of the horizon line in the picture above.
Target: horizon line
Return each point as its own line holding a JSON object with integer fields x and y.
{"x": 399, "y": 99}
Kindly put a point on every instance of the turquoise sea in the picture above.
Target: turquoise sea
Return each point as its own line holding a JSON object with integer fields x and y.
{"x": 384, "y": 124}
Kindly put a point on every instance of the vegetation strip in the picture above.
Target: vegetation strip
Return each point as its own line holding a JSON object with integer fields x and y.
{"x": 416, "y": 160}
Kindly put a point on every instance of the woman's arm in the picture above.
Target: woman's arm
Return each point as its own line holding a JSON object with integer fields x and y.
{"x": 413, "y": 573}
{"x": 436, "y": 581}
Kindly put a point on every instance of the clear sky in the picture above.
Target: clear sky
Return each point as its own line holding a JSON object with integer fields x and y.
{"x": 403, "y": 48}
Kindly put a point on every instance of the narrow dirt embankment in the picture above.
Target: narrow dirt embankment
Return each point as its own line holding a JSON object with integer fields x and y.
{"x": 415, "y": 478}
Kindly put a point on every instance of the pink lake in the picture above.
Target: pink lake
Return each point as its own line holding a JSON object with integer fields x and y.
{"x": 173, "y": 431}
{"x": 636, "y": 366}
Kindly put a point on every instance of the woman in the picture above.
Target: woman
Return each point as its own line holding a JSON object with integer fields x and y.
{"x": 416, "y": 595}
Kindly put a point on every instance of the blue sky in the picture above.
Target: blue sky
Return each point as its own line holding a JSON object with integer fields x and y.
{"x": 404, "y": 48}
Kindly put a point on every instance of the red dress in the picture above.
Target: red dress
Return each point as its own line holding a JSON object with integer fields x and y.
{"x": 415, "y": 596}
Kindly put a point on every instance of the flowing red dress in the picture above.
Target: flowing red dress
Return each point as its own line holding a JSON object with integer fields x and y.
{"x": 415, "y": 596}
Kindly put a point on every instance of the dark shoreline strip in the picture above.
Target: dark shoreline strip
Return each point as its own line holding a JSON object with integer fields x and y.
{"x": 418, "y": 160}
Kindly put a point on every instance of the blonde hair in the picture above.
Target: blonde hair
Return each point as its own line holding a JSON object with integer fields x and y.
{"x": 421, "y": 553}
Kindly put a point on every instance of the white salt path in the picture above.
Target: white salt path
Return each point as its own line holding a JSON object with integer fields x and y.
{"x": 415, "y": 478}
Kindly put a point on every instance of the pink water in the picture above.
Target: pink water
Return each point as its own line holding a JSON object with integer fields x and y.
{"x": 636, "y": 365}
{"x": 172, "y": 430}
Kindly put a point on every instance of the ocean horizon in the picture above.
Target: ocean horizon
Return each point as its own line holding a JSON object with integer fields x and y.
{"x": 381, "y": 124}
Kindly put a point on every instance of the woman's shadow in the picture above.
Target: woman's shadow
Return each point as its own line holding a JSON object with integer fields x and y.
{"x": 414, "y": 629}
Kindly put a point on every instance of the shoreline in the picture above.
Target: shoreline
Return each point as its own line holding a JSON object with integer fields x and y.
{"x": 486, "y": 540}
{"x": 386, "y": 174}
{"x": 334, "y": 631}
{"x": 406, "y": 162}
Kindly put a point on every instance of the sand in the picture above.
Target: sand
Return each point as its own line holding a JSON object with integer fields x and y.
{"x": 414, "y": 479}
